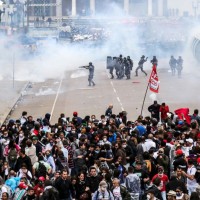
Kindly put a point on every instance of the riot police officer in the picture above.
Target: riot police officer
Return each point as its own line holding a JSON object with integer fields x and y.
{"x": 130, "y": 62}
{"x": 179, "y": 66}
{"x": 154, "y": 61}
{"x": 120, "y": 58}
{"x": 140, "y": 65}
{"x": 172, "y": 64}
{"x": 113, "y": 65}
{"x": 119, "y": 66}
{"x": 91, "y": 74}
{"x": 127, "y": 69}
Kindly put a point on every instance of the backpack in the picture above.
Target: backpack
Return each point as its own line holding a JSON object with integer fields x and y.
{"x": 41, "y": 170}
{"x": 98, "y": 194}
{"x": 12, "y": 154}
{"x": 51, "y": 194}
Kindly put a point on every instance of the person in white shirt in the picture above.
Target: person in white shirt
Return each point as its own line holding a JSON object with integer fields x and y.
{"x": 119, "y": 191}
{"x": 31, "y": 151}
{"x": 189, "y": 146}
{"x": 149, "y": 143}
{"x": 104, "y": 141}
{"x": 191, "y": 181}
{"x": 23, "y": 118}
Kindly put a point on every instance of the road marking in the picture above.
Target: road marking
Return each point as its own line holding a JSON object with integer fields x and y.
{"x": 115, "y": 91}
{"x": 55, "y": 100}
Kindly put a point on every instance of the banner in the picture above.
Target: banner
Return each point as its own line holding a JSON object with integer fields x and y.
{"x": 153, "y": 80}
{"x": 183, "y": 113}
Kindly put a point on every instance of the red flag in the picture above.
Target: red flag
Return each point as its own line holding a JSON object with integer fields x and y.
{"x": 183, "y": 113}
{"x": 153, "y": 80}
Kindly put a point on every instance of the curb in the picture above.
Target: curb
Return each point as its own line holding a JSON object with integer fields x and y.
{"x": 18, "y": 99}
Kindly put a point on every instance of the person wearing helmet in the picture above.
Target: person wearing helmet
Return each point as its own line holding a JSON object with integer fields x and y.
{"x": 154, "y": 61}
{"x": 127, "y": 69}
{"x": 140, "y": 65}
{"x": 130, "y": 62}
{"x": 179, "y": 66}
{"x": 91, "y": 74}
{"x": 172, "y": 64}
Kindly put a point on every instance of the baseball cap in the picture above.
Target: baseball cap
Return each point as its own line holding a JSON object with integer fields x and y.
{"x": 22, "y": 185}
{"x": 190, "y": 140}
{"x": 198, "y": 160}
{"x": 41, "y": 178}
{"x": 179, "y": 152}
{"x": 75, "y": 113}
{"x": 35, "y": 138}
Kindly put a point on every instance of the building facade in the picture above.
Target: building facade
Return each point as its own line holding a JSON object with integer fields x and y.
{"x": 78, "y": 8}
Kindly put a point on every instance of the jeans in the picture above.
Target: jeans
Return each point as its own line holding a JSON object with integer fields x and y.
{"x": 164, "y": 195}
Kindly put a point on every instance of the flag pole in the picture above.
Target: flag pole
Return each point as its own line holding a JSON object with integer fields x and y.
{"x": 145, "y": 94}
{"x": 144, "y": 98}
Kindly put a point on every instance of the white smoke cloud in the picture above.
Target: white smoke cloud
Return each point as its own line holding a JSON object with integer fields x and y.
{"x": 54, "y": 59}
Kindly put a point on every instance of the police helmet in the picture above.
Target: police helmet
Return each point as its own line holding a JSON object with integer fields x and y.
{"x": 90, "y": 63}
{"x": 143, "y": 56}
{"x": 128, "y": 57}
{"x": 120, "y": 55}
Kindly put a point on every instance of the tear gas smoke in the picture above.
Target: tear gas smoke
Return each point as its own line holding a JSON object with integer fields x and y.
{"x": 127, "y": 37}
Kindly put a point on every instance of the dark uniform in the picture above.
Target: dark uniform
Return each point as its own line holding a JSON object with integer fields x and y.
{"x": 127, "y": 69}
{"x": 154, "y": 109}
{"x": 113, "y": 65}
{"x": 140, "y": 65}
{"x": 91, "y": 74}
{"x": 154, "y": 61}
{"x": 172, "y": 64}
{"x": 179, "y": 66}
{"x": 130, "y": 62}
{"x": 118, "y": 66}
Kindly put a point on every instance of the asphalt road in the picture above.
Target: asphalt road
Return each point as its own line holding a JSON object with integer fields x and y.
{"x": 71, "y": 93}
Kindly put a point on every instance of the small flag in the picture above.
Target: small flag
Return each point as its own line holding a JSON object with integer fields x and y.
{"x": 153, "y": 80}
{"x": 183, "y": 113}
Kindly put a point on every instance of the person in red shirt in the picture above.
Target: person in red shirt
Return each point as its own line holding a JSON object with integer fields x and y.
{"x": 164, "y": 180}
{"x": 39, "y": 188}
{"x": 164, "y": 109}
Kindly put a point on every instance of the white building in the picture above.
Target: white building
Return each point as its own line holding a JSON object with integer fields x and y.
{"x": 184, "y": 7}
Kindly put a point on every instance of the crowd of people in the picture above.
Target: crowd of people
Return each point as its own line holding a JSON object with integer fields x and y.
{"x": 107, "y": 158}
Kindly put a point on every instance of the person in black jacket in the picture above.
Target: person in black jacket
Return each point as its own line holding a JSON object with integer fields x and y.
{"x": 174, "y": 183}
{"x": 50, "y": 193}
{"x": 108, "y": 112}
{"x": 93, "y": 180}
{"x": 179, "y": 160}
{"x": 154, "y": 109}
{"x": 80, "y": 186}
{"x": 64, "y": 187}
{"x": 23, "y": 158}
{"x": 154, "y": 188}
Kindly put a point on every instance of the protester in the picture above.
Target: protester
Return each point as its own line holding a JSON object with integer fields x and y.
{"x": 110, "y": 157}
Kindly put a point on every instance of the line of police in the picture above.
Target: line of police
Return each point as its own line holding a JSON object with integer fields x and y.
{"x": 123, "y": 66}
{"x": 176, "y": 64}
